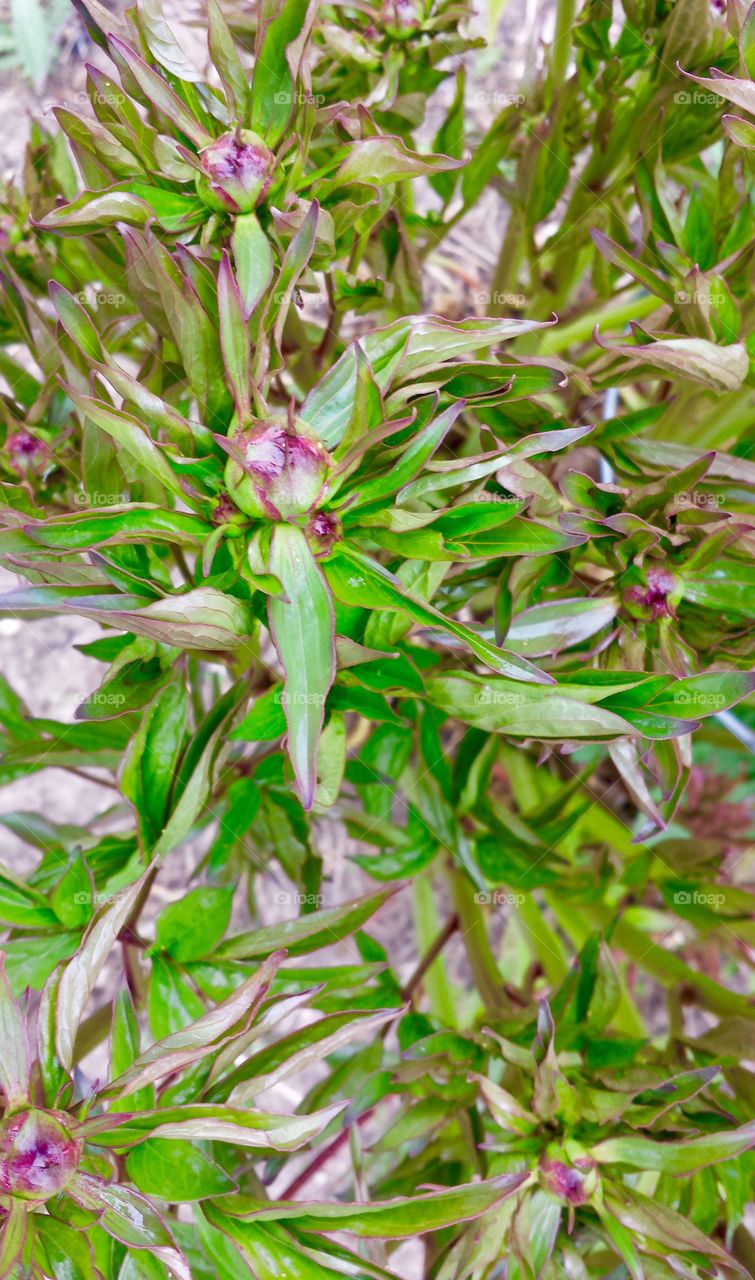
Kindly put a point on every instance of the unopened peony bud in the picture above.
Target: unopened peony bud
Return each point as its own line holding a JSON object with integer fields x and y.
{"x": 277, "y": 471}
{"x": 323, "y": 532}
{"x": 401, "y": 18}
{"x": 38, "y": 1156}
{"x": 573, "y": 1184}
{"x": 237, "y": 172}
{"x": 655, "y": 597}
{"x": 26, "y": 452}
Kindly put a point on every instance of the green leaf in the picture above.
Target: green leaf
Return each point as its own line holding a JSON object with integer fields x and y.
{"x": 308, "y": 933}
{"x": 393, "y": 1219}
{"x": 148, "y": 771}
{"x": 226, "y": 61}
{"x": 125, "y": 1045}
{"x": 253, "y": 257}
{"x": 13, "y": 1237}
{"x": 273, "y": 86}
{"x": 303, "y": 629}
{"x": 81, "y": 973}
{"x": 160, "y": 94}
{"x": 676, "y": 1157}
{"x": 128, "y": 433}
{"x": 177, "y": 1171}
{"x": 234, "y": 338}
{"x": 702, "y": 695}
{"x": 500, "y": 707}
{"x": 130, "y": 1218}
{"x": 193, "y": 926}
{"x": 721, "y": 368}
{"x": 212, "y": 1123}
{"x": 361, "y": 581}
{"x": 206, "y": 1034}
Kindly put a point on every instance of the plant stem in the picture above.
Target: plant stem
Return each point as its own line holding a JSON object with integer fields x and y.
{"x": 562, "y": 42}
{"x": 432, "y": 970}
{"x": 321, "y": 1159}
{"x": 474, "y": 935}
{"x": 427, "y": 924}
{"x": 506, "y": 274}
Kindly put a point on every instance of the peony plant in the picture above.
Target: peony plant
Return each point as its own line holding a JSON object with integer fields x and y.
{"x": 457, "y": 606}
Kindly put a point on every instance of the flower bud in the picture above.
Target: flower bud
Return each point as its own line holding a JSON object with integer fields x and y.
{"x": 572, "y": 1183}
{"x": 323, "y": 531}
{"x": 277, "y": 470}
{"x": 226, "y": 512}
{"x": 237, "y": 172}
{"x": 26, "y": 452}
{"x": 38, "y": 1156}
{"x": 654, "y": 597}
{"x": 401, "y": 18}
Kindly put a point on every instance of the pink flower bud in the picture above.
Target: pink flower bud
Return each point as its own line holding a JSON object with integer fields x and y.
{"x": 237, "y": 172}
{"x": 654, "y": 598}
{"x": 401, "y": 18}
{"x": 38, "y": 1156}
{"x": 277, "y": 470}
{"x": 323, "y": 531}
{"x": 26, "y": 452}
{"x": 573, "y": 1184}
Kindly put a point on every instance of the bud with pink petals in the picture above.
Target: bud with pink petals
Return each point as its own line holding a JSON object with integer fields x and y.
{"x": 277, "y": 470}
{"x": 38, "y": 1155}
{"x": 237, "y": 172}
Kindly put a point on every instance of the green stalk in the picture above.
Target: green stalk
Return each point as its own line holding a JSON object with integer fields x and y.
{"x": 427, "y": 926}
{"x": 506, "y": 274}
{"x": 485, "y": 971}
{"x": 562, "y": 42}
{"x": 543, "y": 941}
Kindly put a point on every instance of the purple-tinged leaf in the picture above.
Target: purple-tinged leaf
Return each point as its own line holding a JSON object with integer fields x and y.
{"x": 14, "y": 1059}
{"x": 160, "y": 94}
{"x": 78, "y": 979}
{"x": 676, "y": 1157}
{"x": 306, "y": 933}
{"x": 391, "y": 1219}
{"x": 204, "y": 1036}
{"x": 130, "y": 1218}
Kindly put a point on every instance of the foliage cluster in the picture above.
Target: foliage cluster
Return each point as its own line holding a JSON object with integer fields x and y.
{"x": 475, "y": 595}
